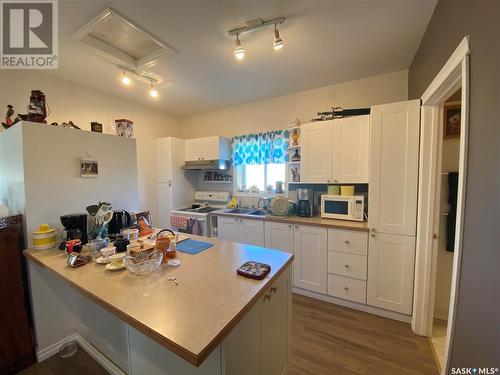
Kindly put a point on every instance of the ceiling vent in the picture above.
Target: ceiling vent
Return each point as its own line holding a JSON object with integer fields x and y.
{"x": 122, "y": 41}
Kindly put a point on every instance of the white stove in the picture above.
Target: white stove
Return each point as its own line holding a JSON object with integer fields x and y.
{"x": 197, "y": 215}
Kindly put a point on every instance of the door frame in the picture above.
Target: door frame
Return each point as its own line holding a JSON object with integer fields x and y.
{"x": 453, "y": 75}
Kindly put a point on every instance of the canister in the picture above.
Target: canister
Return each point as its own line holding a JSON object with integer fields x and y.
{"x": 44, "y": 238}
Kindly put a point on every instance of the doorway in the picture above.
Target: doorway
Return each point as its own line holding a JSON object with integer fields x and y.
{"x": 453, "y": 76}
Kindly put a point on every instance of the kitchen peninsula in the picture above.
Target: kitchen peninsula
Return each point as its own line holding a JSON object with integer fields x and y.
{"x": 212, "y": 322}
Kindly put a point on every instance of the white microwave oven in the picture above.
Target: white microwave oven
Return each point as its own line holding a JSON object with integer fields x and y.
{"x": 344, "y": 207}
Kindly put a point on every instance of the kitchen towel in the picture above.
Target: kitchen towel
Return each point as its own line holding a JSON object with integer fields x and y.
{"x": 193, "y": 247}
{"x": 179, "y": 222}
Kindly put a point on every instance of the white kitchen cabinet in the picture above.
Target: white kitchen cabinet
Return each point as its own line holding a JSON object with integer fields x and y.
{"x": 241, "y": 230}
{"x": 316, "y": 152}
{"x": 351, "y": 149}
{"x": 279, "y": 236}
{"x": 311, "y": 253}
{"x": 391, "y": 263}
{"x": 252, "y": 232}
{"x": 174, "y": 187}
{"x": 347, "y": 288}
{"x": 394, "y": 140}
{"x": 207, "y": 148}
{"x": 275, "y": 326}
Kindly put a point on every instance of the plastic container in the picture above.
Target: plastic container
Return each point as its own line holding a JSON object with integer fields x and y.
{"x": 347, "y": 190}
{"x": 45, "y": 237}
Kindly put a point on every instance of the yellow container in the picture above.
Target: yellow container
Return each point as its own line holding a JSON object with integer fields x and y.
{"x": 333, "y": 190}
{"x": 347, "y": 190}
{"x": 44, "y": 238}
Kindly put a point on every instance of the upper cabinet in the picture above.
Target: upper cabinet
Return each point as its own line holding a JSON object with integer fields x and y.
{"x": 317, "y": 152}
{"x": 351, "y": 149}
{"x": 335, "y": 151}
{"x": 394, "y": 137}
{"x": 208, "y": 148}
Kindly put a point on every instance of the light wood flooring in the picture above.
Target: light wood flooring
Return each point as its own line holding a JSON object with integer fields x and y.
{"x": 326, "y": 339}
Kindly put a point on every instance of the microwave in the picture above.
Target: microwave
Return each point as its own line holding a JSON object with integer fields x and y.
{"x": 344, "y": 207}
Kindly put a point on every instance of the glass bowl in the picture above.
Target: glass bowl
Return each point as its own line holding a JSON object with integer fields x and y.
{"x": 144, "y": 263}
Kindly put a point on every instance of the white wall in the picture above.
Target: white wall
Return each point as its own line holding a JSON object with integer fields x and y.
{"x": 12, "y": 171}
{"x": 276, "y": 113}
{"x": 83, "y": 105}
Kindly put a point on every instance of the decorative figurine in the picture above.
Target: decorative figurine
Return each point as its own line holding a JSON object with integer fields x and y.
{"x": 295, "y": 138}
{"x": 296, "y": 156}
{"x": 8, "y": 117}
{"x": 37, "y": 109}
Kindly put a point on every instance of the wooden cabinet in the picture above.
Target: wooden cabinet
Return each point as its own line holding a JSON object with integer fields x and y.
{"x": 390, "y": 272}
{"x": 317, "y": 152}
{"x": 207, "y": 148}
{"x": 241, "y": 230}
{"x": 310, "y": 265}
{"x": 394, "y": 139}
{"x": 279, "y": 236}
{"x": 335, "y": 151}
{"x": 351, "y": 149}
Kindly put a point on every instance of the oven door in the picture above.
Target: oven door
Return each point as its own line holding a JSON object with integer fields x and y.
{"x": 336, "y": 207}
{"x": 197, "y": 226}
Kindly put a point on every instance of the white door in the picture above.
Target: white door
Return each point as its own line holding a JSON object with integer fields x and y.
{"x": 316, "y": 152}
{"x": 252, "y": 232}
{"x": 209, "y": 148}
{"x": 275, "y": 329}
{"x": 193, "y": 152}
{"x": 164, "y": 198}
{"x": 279, "y": 236}
{"x": 394, "y": 137}
{"x": 163, "y": 160}
{"x": 391, "y": 265}
{"x": 229, "y": 228}
{"x": 311, "y": 253}
{"x": 351, "y": 137}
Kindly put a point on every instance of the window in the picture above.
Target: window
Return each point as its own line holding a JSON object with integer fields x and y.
{"x": 259, "y": 175}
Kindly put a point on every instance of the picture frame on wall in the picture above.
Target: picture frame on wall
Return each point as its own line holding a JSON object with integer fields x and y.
{"x": 89, "y": 168}
{"x": 451, "y": 120}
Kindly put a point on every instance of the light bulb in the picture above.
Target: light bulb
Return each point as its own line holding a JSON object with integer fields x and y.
{"x": 125, "y": 79}
{"x": 153, "y": 92}
{"x": 278, "y": 42}
{"x": 239, "y": 52}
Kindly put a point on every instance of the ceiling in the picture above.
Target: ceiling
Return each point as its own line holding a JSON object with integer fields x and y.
{"x": 325, "y": 42}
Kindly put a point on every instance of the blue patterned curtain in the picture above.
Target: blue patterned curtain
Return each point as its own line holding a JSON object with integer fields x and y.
{"x": 261, "y": 148}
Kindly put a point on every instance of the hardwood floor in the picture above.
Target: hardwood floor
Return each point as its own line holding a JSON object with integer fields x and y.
{"x": 80, "y": 364}
{"x": 326, "y": 339}
{"x": 330, "y": 339}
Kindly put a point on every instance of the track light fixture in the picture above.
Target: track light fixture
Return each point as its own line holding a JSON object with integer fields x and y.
{"x": 254, "y": 25}
{"x": 238, "y": 52}
{"x": 278, "y": 42}
{"x": 152, "y": 91}
{"x": 125, "y": 79}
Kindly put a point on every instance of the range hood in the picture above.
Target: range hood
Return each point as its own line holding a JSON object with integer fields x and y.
{"x": 201, "y": 165}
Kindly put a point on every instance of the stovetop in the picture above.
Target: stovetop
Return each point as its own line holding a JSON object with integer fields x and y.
{"x": 201, "y": 210}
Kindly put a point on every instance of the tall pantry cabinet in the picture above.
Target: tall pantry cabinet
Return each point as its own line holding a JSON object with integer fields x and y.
{"x": 173, "y": 187}
{"x": 394, "y": 141}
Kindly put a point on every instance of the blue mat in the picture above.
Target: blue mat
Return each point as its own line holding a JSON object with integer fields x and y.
{"x": 193, "y": 247}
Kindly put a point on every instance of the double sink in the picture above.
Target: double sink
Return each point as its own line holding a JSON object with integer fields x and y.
{"x": 245, "y": 211}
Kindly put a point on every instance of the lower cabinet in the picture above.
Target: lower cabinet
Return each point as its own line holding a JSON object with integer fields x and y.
{"x": 391, "y": 267}
{"x": 241, "y": 230}
{"x": 311, "y": 252}
{"x": 266, "y": 331}
{"x": 279, "y": 236}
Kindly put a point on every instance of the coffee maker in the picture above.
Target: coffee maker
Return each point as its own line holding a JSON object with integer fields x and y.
{"x": 121, "y": 219}
{"x": 75, "y": 226}
{"x": 305, "y": 202}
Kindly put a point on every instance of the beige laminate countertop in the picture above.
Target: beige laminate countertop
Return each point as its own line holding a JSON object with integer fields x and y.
{"x": 294, "y": 219}
{"x": 190, "y": 319}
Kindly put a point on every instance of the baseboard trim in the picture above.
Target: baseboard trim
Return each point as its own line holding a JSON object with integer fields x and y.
{"x": 353, "y": 305}
{"x": 91, "y": 350}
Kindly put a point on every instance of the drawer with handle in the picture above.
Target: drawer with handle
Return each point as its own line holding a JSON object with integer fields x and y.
{"x": 348, "y": 241}
{"x": 347, "y": 288}
{"x": 348, "y": 265}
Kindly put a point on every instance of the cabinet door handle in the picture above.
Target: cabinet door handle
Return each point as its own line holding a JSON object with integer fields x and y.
{"x": 346, "y": 242}
{"x": 274, "y": 289}
{"x": 296, "y": 226}
{"x": 289, "y": 225}
{"x": 335, "y": 180}
{"x": 267, "y": 297}
{"x": 346, "y": 265}
{"x": 328, "y": 180}
{"x": 346, "y": 288}
{"x": 236, "y": 219}
{"x": 373, "y": 234}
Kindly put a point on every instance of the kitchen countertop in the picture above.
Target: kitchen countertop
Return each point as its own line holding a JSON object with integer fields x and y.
{"x": 294, "y": 219}
{"x": 190, "y": 319}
